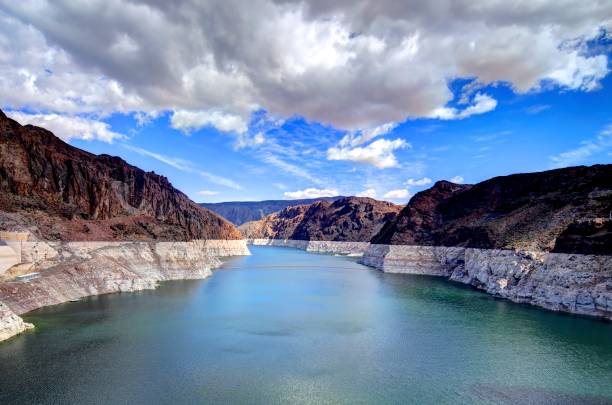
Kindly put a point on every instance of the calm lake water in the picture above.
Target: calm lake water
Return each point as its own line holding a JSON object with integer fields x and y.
{"x": 285, "y": 326}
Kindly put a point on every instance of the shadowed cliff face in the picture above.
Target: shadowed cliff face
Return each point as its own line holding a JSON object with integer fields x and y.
{"x": 57, "y": 191}
{"x": 562, "y": 210}
{"x": 349, "y": 219}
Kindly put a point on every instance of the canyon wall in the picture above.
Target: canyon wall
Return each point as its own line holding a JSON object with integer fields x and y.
{"x": 565, "y": 282}
{"x": 316, "y": 246}
{"x": 73, "y": 270}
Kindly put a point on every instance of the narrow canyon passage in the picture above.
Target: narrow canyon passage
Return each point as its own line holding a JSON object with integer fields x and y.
{"x": 286, "y": 326}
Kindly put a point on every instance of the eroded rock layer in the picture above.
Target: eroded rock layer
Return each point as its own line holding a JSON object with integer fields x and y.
{"x": 573, "y": 283}
{"x": 316, "y": 246}
{"x": 58, "y": 192}
{"x": 565, "y": 210}
{"x": 70, "y": 271}
{"x": 349, "y": 219}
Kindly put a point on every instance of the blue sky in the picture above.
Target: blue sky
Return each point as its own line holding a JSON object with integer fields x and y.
{"x": 293, "y": 99}
{"x": 524, "y": 133}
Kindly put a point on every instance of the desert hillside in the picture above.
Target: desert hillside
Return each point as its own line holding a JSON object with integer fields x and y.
{"x": 58, "y": 192}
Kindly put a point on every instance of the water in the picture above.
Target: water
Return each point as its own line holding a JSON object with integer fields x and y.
{"x": 285, "y": 326}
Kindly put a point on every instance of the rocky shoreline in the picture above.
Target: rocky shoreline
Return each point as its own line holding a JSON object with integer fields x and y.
{"x": 73, "y": 270}
{"x": 316, "y": 246}
{"x": 563, "y": 282}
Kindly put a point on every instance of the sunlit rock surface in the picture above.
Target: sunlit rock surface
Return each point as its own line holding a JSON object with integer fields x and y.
{"x": 574, "y": 283}
{"x": 73, "y": 270}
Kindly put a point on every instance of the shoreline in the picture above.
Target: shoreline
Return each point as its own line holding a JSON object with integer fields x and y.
{"x": 70, "y": 271}
{"x": 562, "y": 282}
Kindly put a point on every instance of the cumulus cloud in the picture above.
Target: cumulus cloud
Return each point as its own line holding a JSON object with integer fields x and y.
{"x": 582, "y": 153}
{"x": 189, "y": 121}
{"x": 418, "y": 182}
{"x": 69, "y": 127}
{"x": 246, "y": 141}
{"x": 357, "y": 138}
{"x": 397, "y": 195}
{"x": 378, "y": 153}
{"x": 310, "y": 193}
{"x": 351, "y": 66}
{"x": 457, "y": 179}
{"x": 370, "y": 192}
{"x": 185, "y": 166}
{"x": 482, "y": 103}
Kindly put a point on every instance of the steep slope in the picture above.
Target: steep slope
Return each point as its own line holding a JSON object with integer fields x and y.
{"x": 563, "y": 210}
{"x": 59, "y": 192}
{"x": 239, "y": 212}
{"x": 347, "y": 219}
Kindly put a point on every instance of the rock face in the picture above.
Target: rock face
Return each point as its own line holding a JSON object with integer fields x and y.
{"x": 565, "y": 210}
{"x": 73, "y": 270}
{"x": 349, "y": 219}
{"x": 10, "y": 323}
{"x": 316, "y": 246}
{"x": 573, "y": 283}
{"x": 240, "y": 212}
{"x": 59, "y": 192}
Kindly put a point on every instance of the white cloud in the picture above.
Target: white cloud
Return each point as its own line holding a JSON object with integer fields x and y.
{"x": 360, "y": 137}
{"x": 482, "y": 103}
{"x": 189, "y": 121}
{"x": 185, "y": 166}
{"x": 367, "y": 193}
{"x": 457, "y": 179}
{"x": 537, "y": 108}
{"x": 310, "y": 193}
{"x": 378, "y": 153}
{"x": 418, "y": 182}
{"x": 589, "y": 148}
{"x": 247, "y": 141}
{"x": 290, "y": 168}
{"x": 353, "y": 67}
{"x": 397, "y": 195}
{"x": 207, "y": 193}
{"x": 69, "y": 127}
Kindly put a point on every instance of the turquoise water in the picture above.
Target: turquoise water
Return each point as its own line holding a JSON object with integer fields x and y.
{"x": 285, "y": 326}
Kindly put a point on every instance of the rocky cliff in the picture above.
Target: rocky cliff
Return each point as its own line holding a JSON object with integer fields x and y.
{"x": 73, "y": 270}
{"x": 564, "y": 210}
{"x": 240, "y": 212}
{"x": 349, "y": 219}
{"x": 59, "y": 192}
{"x": 573, "y": 283}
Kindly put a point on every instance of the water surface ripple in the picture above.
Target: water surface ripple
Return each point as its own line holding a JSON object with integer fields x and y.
{"x": 285, "y": 326}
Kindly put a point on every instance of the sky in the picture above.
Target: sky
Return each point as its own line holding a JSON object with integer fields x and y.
{"x": 283, "y": 99}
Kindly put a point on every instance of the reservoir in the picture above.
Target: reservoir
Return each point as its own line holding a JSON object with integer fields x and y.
{"x": 286, "y": 326}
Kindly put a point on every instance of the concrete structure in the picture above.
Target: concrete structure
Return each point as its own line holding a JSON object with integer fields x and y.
{"x": 10, "y": 249}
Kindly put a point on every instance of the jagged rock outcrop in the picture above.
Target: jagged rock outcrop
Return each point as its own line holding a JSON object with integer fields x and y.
{"x": 564, "y": 210}
{"x": 240, "y": 212}
{"x": 59, "y": 192}
{"x": 73, "y": 270}
{"x": 349, "y": 219}
{"x": 573, "y": 283}
{"x": 10, "y": 323}
{"x": 316, "y": 246}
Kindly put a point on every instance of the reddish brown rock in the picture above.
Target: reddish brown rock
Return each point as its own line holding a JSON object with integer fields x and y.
{"x": 59, "y": 192}
{"x": 349, "y": 219}
{"x": 555, "y": 210}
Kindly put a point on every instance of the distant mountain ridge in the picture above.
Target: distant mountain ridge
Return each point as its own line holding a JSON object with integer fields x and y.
{"x": 239, "y": 212}
{"x": 346, "y": 219}
{"x": 565, "y": 210}
{"x": 59, "y": 192}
